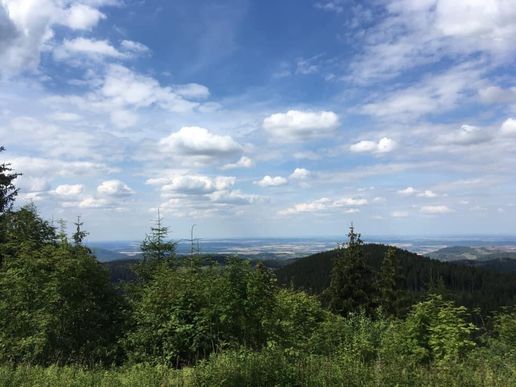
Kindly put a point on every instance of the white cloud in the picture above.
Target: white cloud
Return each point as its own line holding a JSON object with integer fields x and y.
{"x": 427, "y": 194}
{"x": 508, "y": 127}
{"x": 115, "y": 188}
{"x": 88, "y": 47}
{"x": 268, "y": 181}
{"x": 466, "y": 135}
{"x": 296, "y": 125}
{"x": 124, "y": 118}
{"x": 438, "y": 93}
{"x": 416, "y": 33}
{"x": 385, "y": 145}
{"x": 300, "y": 174}
{"x": 200, "y": 195}
{"x": 201, "y": 144}
{"x": 27, "y": 28}
{"x": 324, "y": 205}
{"x": 235, "y": 197}
{"x": 123, "y": 88}
{"x": 243, "y": 162}
{"x": 336, "y": 6}
{"x": 407, "y": 191}
{"x": 435, "y": 210}
{"x": 135, "y": 47}
{"x": 82, "y": 17}
{"x": 399, "y": 214}
{"x": 193, "y": 184}
{"x": 37, "y": 166}
{"x": 90, "y": 202}
{"x": 192, "y": 91}
{"x": 496, "y": 94}
{"x": 69, "y": 189}
{"x": 65, "y": 116}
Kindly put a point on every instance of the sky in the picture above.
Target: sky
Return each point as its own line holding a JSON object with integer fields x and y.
{"x": 262, "y": 117}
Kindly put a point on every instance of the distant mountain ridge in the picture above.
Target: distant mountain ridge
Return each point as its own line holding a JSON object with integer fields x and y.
{"x": 462, "y": 253}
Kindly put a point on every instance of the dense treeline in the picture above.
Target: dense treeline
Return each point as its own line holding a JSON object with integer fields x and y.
{"x": 196, "y": 322}
{"x": 469, "y": 286}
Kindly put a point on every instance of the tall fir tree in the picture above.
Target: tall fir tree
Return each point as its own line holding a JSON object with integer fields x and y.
{"x": 390, "y": 284}
{"x": 156, "y": 249}
{"x": 351, "y": 286}
{"x": 79, "y": 234}
{"x": 8, "y": 191}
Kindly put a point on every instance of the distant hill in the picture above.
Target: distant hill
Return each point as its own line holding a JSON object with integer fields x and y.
{"x": 121, "y": 268}
{"x": 106, "y": 255}
{"x": 462, "y": 253}
{"x": 468, "y": 285}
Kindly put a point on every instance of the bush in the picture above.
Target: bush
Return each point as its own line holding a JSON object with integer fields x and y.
{"x": 58, "y": 306}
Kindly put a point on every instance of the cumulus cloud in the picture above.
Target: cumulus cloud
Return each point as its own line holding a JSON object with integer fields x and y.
{"x": 193, "y": 184}
{"x": 115, "y": 188}
{"x": 69, "y": 189}
{"x": 296, "y": 125}
{"x": 466, "y": 135}
{"x": 300, "y": 174}
{"x": 269, "y": 181}
{"x": 200, "y": 195}
{"x": 427, "y": 194}
{"x": 384, "y": 145}
{"x": 325, "y": 204}
{"x": 407, "y": 191}
{"x": 508, "y": 127}
{"x": 435, "y": 210}
{"x": 122, "y": 88}
{"x": 243, "y": 162}
{"x": 399, "y": 214}
{"x": 81, "y": 17}
{"x": 410, "y": 191}
{"x": 27, "y": 28}
{"x": 200, "y": 144}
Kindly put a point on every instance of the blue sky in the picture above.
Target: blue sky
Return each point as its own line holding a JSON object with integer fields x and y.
{"x": 263, "y": 118}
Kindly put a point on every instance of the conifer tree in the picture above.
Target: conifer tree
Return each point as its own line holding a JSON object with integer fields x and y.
{"x": 156, "y": 249}
{"x": 351, "y": 286}
{"x": 390, "y": 283}
{"x": 79, "y": 234}
{"x": 7, "y": 189}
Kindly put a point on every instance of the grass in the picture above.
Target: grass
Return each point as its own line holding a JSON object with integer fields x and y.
{"x": 272, "y": 368}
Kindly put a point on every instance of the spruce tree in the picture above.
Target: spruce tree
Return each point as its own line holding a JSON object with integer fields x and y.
{"x": 156, "y": 249}
{"x": 390, "y": 283}
{"x": 7, "y": 189}
{"x": 351, "y": 286}
{"x": 79, "y": 234}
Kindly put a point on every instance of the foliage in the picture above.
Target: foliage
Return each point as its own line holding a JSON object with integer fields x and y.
{"x": 438, "y": 330}
{"x": 24, "y": 230}
{"x": 469, "y": 286}
{"x": 351, "y": 284}
{"x": 157, "y": 250}
{"x": 390, "y": 284}
{"x": 57, "y": 305}
{"x": 8, "y": 191}
{"x": 186, "y": 313}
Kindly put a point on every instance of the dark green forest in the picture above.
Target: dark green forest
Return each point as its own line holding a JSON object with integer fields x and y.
{"x": 361, "y": 315}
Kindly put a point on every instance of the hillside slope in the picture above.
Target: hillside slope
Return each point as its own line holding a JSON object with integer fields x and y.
{"x": 469, "y": 286}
